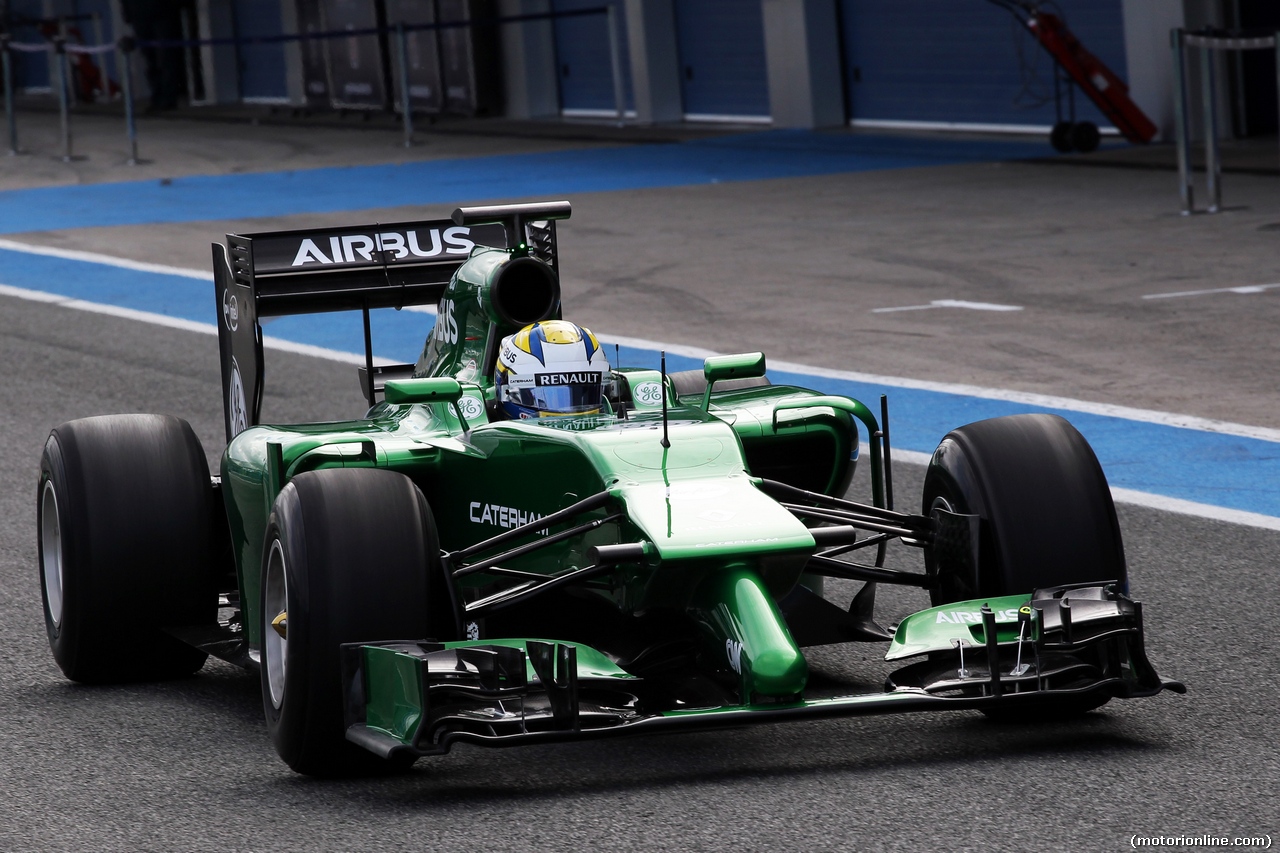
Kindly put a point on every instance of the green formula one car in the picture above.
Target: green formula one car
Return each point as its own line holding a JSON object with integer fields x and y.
{"x": 521, "y": 543}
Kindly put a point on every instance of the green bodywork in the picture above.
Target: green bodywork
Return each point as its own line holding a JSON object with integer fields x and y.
{"x": 719, "y": 550}
{"x": 937, "y": 629}
{"x": 394, "y": 681}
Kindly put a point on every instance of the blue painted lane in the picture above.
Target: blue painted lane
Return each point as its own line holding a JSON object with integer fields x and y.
{"x": 745, "y": 157}
{"x": 1219, "y": 470}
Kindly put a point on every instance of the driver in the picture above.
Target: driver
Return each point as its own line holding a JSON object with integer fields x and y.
{"x": 551, "y": 368}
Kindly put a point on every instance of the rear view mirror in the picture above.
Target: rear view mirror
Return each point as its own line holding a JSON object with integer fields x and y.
{"x": 747, "y": 365}
{"x": 441, "y": 389}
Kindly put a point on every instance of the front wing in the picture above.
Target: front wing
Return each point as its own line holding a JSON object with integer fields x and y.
{"x": 421, "y": 697}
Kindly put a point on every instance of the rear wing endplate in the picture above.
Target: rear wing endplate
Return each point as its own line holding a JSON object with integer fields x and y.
{"x": 356, "y": 268}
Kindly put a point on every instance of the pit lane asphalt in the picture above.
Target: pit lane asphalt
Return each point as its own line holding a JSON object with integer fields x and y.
{"x": 187, "y": 765}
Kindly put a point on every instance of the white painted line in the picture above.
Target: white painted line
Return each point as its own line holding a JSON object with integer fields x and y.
{"x": 1043, "y": 401}
{"x": 1199, "y": 510}
{"x": 268, "y": 342}
{"x": 903, "y": 308}
{"x": 970, "y": 127}
{"x": 951, "y": 303}
{"x": 139, "y": 266}
{"x": 1145, "y": 499}
{"x": 1244, "y": 288}
{"x": 1040, "y": 400}
{"x": 910, "y": 457}
{"x": 107, "y": 260}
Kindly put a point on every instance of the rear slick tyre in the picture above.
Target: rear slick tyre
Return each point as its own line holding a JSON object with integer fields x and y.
{"x": 125, "y": 512}
{"x": 347, "y": 557}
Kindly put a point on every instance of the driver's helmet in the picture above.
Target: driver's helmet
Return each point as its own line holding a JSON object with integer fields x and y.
{"x": 551, "y": 368}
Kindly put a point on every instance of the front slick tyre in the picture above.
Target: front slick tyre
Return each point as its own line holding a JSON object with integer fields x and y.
{"x": 1047, "y": 518}
{"x": 346, "y": 560}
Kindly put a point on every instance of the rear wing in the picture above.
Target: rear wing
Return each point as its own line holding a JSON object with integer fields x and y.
{"x": 357, "y": 268}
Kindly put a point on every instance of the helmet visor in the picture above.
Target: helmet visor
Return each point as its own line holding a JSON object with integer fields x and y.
{"x": 554, "y": 395}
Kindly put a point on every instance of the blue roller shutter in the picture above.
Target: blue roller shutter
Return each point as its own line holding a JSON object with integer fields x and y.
{"x": 722, "y": 59}
{"x": 964, "y": 61}
{"x": 585, "y": 65}
{"x": 30, "y": 70}
{"x": 262, "y": 66}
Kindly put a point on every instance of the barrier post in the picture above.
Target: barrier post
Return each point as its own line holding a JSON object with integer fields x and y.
{"x": 103, "y": 84}
{"x": 1182, "y": 120}
{"x": 10, "y": 119}
{"x": 60, "y": 51}
{"x": 187, "y": 64}
{"x": 406, "y": 109}
{"x": 615, "y": 59}
{"x": 1212, "y": 162}
{"x": 126, "y": 46}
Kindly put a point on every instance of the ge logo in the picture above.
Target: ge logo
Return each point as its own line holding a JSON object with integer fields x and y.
{"x": 473, "y": 631}
{"x": 648, "y": 393}
{"x": 237, "y": 408}
{"x": 733, "y": 649}
{"x": 230, "y": 310}
{"x": 471, "y": 408}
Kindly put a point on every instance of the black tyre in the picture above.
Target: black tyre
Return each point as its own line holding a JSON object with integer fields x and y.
{"x": 1047, "y": 514}
{"x": 127, "y": 547}
{"x": 1047, "y": 517}
{"x": 1085, "y": 137}
{"x": 1060, "y": 137}
{"x": 348, "y": 556}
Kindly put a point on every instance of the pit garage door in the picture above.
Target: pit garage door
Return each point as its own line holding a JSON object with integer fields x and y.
{"x": 585, "y": 65}
{"x": 722, "y": 59}
{"x": 262, "y": 67}
{"x": 964, "y": 61}
{"x": 30, "y": 70}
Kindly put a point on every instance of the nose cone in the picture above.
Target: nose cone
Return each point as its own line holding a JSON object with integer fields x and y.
{"x": 737, "y": 614}
{"x": 779, "y": 672}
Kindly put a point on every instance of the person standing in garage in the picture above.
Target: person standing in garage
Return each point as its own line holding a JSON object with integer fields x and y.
{"x": 158, "y": 20}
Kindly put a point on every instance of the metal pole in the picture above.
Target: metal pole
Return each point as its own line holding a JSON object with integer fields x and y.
{"x": 1278, "y": 61}
{"x": 60, "y": 51}
{"x": 1212, "y": 164}
{"x": 103, "y": 86}
{"x": 406, "y": 109}
{"x": 62, "y": 36}
{"x": 126, "y": 81}
{"x": 185, "y": 18}
{"x": 10, "y": 118}
{"x": 615, "y": 58}
{"x": 1182, "y": 120}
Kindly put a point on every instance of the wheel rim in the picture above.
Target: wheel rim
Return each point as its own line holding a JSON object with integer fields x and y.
{"x": 51, "y": 552}
{"x": 940, "y": 502}
{"x": 275, "y": 645}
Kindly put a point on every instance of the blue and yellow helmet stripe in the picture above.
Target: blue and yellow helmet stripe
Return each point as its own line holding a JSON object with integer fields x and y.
{"x": 531, "y": 338}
